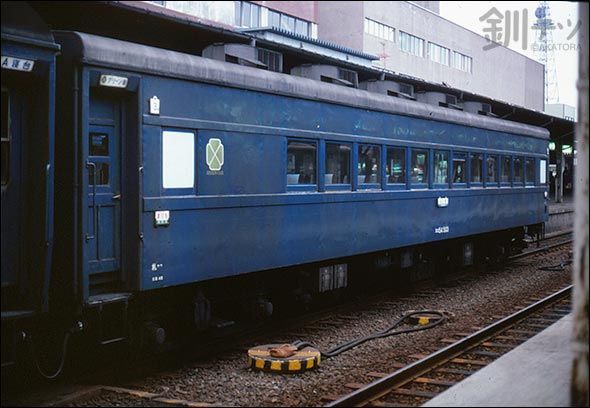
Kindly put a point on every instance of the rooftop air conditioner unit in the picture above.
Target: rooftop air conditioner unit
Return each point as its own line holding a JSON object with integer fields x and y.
{"x": 439, "y": 99}
{"x": 479, "y": 108}
{"x": 327, "y": 73}
{"x": 391, "y": 88}
{"x": 242, "y": 54}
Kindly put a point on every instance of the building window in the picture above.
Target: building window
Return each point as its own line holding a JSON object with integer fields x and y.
{"x": 462, "y": 62}
{"x": 247, "y": 14}
{"x": 369, "y": 164}
{"x": 492, "y": 169}
{"x": 337, "y": 163}
{"x": 379, "y": 30}
{"x": 396, "y": 165}
{"x": 441, "y": 167}
{"x": 411, "y": 44}
{"x": 419, "y": 170}
{"x": 273, "y": 60}
{"x": 476, "y": 167}
{"x": 506, "y": 170}
{"x": 439, "y": 54}
{"x": 459, "y": 167}
{"x": 289, "y": 23}
{"x": 301, "y": 162}
{"x": 221, "y": 11}
{"x": 274, "y": 19}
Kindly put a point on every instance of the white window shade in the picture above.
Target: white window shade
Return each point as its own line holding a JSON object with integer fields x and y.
{"x": 178, "y": 159}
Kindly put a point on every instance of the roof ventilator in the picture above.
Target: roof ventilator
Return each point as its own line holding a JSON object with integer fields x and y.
{"x": 327, "y": 73}
{"x": 391, "y": 88}
{"x": 439, "y": 99}
{"x": 245, "y": 54}
{"x": 478, "y": 108}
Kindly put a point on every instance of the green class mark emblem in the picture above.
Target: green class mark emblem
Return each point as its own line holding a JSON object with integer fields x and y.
{"x": 214, "y": 155}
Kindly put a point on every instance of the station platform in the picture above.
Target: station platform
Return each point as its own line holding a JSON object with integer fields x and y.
{"x": 561, "y": 215}
{"x": 567, "y": 204}
{"x": 535, "y": 374}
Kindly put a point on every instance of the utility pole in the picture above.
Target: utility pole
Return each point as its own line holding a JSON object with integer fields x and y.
{"x": 579, "y": 385}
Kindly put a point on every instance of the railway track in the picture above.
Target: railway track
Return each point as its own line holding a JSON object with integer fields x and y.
{"x": 416, "y": 383}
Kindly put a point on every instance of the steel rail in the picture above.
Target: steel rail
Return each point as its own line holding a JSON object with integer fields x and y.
{"x": 405, "y": 375}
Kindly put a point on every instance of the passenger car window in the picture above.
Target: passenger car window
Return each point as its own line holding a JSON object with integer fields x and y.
{"x": 178, "y": 159}
{"x": 419, "y": 170}
{"x": 337, "y": 163}
{"x": 441, "y": 167}
{"x": 301, "y": 162}
{"x": 518, "y": 176}
{"x": 476, "y": 167}
{"x": 459, "y": 167}
{"x": 98, "y": 152}
{"x": 396, "y": 165}
{"x": 506, "y": 163}
{"x": 369, "y": 164}
{"x": 542, "y": 171}
{"x": 5, "y": 141}
{"x": 530, "y": 170}
{"x": 491, "y": 165}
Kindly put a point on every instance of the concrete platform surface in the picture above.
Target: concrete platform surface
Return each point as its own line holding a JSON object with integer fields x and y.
{"x": 566, "y": 205}
{"x": 535, "y": 374}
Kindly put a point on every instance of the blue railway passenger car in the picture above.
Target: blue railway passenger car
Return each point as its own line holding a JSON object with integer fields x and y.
{"x": 177, "y": 173}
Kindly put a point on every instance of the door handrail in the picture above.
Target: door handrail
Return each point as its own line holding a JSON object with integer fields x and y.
{"x": 92, "y": 165}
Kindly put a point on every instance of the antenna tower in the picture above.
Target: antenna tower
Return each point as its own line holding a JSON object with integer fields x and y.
{"x": 544, "y": 50}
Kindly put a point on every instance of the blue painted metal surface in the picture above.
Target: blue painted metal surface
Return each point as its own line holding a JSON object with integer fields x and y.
{"x": 245, "y": 220}
{"x": 28, "y": 83}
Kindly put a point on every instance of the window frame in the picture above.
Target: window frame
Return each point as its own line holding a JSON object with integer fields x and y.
{"x": 434, "y": 183}
{"x": 338, "y": 186}
{"x": 510, "y": 174}
{"x": 543, "y": 165}
{"x": 487, "y": 182}
{"x": 527, "y": 182}
{"x": 174, "y": 191}
{"x": 516, "y": 183}
{"x": 419, "y": 185}
{"x": 396, "y": 186}
{"x": 303, "y": 187}
{"x": 6, "y": 142}
{"x": 462, "y": 184}
{"x": 472, "y": 155}
{"x": 369, "y": 186}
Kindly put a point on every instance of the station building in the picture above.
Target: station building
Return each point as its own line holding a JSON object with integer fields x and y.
{"x": 409, "y": 38}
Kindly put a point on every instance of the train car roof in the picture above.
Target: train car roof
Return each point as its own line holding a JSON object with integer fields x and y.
{"x": 21, "y": 23}
{"x": 98, "y": 50}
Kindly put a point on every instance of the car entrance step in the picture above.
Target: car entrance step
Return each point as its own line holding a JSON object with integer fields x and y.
{"x": 111, "y": 312}
{"x": 106, "y": 298}
{"x": 17, "y": 314}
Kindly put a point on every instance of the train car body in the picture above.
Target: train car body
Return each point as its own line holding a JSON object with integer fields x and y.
{"x": 176, "y": 170}
{"x": 28, "y": 93}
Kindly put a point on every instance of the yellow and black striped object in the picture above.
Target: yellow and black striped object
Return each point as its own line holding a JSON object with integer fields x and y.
{"x": 259, "y": 358}
{"x": 423, "y": 319}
